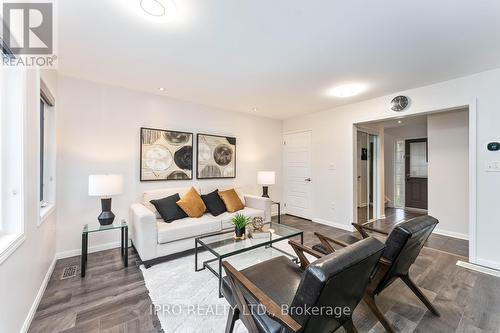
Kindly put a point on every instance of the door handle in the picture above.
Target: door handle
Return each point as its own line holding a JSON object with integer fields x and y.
{"x": 307, "y": 179}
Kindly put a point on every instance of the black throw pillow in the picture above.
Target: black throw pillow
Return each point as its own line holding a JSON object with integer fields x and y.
{"x": 168, "y": 208}
{"x": 214, "y": 203}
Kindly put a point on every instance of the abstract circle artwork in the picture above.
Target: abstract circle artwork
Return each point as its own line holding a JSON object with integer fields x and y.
{"x": 216, "y": 156}
{"x": 166, "y": 155}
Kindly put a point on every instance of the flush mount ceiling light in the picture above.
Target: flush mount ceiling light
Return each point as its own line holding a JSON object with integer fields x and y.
{"x": 161, "y": 89}
{"x": 153, "y": 7}
{"x": 347, "y": 90}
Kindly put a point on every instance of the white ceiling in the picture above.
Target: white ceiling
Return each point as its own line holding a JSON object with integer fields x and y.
{"x": 280, "y": 56}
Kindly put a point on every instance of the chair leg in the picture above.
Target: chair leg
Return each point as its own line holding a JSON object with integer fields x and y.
{"x": 370, "y": 301}
{"x": 232, "y": 317}
{"x": 416, "y": 290}
{"x": 349, "y": 327}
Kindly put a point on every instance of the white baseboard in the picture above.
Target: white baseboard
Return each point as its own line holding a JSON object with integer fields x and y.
{"x": 451, "y": 234}
{"x": 480, "y": 268}
{"x": 92, "y": 249}
{"x": 334, "y": 224}
{"x": 38, "y": 298}
{"x": 488, "y": 263}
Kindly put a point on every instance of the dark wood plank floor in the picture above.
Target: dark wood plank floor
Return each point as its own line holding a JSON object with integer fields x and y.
{"x": 114, "y": 299}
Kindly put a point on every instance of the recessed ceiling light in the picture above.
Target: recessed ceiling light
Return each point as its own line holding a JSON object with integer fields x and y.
{"x": 161, "y": 89}
{"x": 254, "y": 109}
{"x": 400, "y": 121}
{"x": 153, "y": 7}
{"x": 347, "y": 90}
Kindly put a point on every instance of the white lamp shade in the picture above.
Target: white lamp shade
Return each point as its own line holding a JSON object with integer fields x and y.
{"x": 105, "y": 185}
{"x": 266, "y": 178}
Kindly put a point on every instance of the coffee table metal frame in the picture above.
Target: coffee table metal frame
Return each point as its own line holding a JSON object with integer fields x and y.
{"x": 199, "y": 244}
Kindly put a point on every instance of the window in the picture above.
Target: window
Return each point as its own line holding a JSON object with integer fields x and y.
{"x": 47, "y": 156}
{"x": 399, "y": 174}
{"x": 43, "y": 180}
{"x": 12, "y": 97}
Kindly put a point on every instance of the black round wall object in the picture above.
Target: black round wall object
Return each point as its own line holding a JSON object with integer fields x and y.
{"x": 399, "y": 103}
{"x": 494, "y": 146}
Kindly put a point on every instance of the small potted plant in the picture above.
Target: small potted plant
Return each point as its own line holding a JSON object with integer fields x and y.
{"x": 240, "y": 221}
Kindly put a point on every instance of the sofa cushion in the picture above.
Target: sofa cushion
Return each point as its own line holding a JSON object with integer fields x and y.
{"x": 168, "y": 208}
{"x": 231, "y": 200}
{"x": 214, "y": 203}
{"x": 192, "y": 204}
{"x": 159, "y": 194}
{"x": 186, "y": 228}
{"x": 247, "y": 211}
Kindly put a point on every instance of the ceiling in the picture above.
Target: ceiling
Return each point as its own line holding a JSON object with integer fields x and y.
{"x": 278, "y": 56}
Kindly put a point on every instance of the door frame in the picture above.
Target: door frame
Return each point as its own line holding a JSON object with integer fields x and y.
{"x": 378, "y": 213}
{"x": 471, "y": 105}
{"x": 283, "y": 159}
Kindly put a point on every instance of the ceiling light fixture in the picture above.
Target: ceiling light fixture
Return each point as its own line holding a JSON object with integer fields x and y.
{"x": 153, "y": 7}
{"x": 400, "y": 121}
{"x": 347, "y": 90}
{"x": 254, "y": 109}
{"x": 161, "y": 89}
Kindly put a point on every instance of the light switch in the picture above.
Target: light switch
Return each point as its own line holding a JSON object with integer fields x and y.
{"x": 493, "y": 166}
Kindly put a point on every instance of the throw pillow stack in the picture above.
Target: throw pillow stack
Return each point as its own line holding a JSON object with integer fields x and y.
{"x": 194, "y": 205}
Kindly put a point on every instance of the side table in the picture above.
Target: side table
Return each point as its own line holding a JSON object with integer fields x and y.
{"x": 96, "y": 227}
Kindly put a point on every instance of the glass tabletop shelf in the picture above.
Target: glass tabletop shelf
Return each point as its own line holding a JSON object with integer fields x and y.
{"x": 96, "y": 227}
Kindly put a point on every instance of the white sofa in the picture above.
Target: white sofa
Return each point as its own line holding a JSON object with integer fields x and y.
{"x": 153, "y": 238}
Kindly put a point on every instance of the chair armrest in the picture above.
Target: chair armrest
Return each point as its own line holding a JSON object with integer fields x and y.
{"x": 300, "y": 250}
{"x": 272, "y": 309}
{"x": 325, "y": 241}
{"x": 144, "y": 231}
{"x": 256, "y": 202}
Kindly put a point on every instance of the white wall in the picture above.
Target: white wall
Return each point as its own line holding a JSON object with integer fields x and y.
{"x": 391, "y": 135}
{"x": 23, "y": 274}
{"x": 449, "y": 171}
{"x": 98, "y": 132}
{"x": 332, "y": 142}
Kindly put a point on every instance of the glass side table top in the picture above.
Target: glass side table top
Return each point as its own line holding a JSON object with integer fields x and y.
{"x": 96, "y": 227}
{"x": 223, "y": 242}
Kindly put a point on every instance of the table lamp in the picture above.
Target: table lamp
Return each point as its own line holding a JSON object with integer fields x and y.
{"x": 266, "y": 178}
{"x": 105, "y": 186}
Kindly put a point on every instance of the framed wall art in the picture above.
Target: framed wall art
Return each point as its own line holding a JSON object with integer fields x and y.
{"x": 216, "y": 157}
{"x": 166, "y": 155}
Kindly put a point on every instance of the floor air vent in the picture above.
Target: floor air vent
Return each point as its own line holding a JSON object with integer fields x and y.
{"x": 69, "y": 272}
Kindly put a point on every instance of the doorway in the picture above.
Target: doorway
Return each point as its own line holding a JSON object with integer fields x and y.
{"x": 367, "y": 177}
{"x": 297, "y": 174}
{"x": 416, "y": 173}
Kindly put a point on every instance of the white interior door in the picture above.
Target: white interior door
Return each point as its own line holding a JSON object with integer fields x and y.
{"x": 297, "y": 171}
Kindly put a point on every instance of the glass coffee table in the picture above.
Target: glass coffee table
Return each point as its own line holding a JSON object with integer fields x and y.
{"x": 244, "y": 253}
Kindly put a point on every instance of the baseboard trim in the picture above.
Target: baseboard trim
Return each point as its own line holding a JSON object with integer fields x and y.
{"x": 38, "y": 298}
{"x": 451, "y": 234}
{"x": 92, "y": 249}
{"x": 480, "y": 268}
{"x": 334, "y": 224}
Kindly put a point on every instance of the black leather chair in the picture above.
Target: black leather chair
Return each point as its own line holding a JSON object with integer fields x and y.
{"x": 403, "y": 246}
{"x": 320, "y": 298}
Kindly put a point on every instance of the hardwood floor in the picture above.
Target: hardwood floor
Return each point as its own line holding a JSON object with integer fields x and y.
{"x": 112, "y": 298}
{"x": 394, "y": 216}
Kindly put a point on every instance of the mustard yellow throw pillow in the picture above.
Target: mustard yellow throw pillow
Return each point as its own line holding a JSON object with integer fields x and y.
{"x": 192, "y": 204}
{"x": 231, "y": 200}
